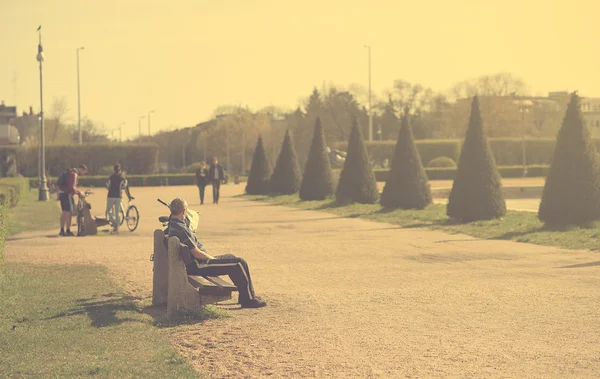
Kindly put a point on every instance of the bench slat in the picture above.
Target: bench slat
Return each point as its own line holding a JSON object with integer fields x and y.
{"x": 200, "y": 281}
{"x": 206, "y": 287}
{"x": 221, "y": 283}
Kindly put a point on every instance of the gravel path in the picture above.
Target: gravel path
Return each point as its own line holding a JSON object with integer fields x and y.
{"x": 354, "y": 298}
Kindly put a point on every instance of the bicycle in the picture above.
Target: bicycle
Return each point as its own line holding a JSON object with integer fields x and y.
{"x": 131, "y": 214}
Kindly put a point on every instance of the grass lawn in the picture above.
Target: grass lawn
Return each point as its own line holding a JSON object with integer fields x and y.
{"x": 516, "y": 226}
{"x": 72, "y": 321}
{"x": 31, "y": 214}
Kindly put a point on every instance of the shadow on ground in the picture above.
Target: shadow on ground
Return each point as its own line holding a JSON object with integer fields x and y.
{"x": 117, "y": 308}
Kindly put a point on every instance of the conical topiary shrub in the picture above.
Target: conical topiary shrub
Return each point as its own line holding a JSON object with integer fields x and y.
{"x": 477, "y": 190}
{"x": 259, "y": 179}
{"x": 571, "y": 194}
{"x": 357, "y": 180}
{"x": 407, "y": 186}
{"x": 317, "y": 182}
{"x": 286, "y": 176}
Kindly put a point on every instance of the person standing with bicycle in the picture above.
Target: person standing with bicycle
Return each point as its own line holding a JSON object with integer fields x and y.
{"x": 115, "y": 184}
{"x": 67, "y": 188}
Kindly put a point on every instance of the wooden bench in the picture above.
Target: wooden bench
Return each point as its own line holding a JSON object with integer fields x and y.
{"x": 174, "y": 287}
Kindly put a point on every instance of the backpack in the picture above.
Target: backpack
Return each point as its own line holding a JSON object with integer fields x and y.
{"x": 62, "y": 180}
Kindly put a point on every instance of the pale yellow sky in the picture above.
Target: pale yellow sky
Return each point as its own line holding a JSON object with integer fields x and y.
{"x": 184, "y": 58}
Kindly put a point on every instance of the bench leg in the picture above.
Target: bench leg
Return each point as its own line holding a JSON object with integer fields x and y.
{"x": 160, "y": 275}
{"x": 182, "y": 296}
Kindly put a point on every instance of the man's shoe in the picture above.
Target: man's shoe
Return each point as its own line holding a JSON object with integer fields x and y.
{"x": 69, "y": 233}
{"x": 62, "y": 233}
{"x": 254, "y": 303}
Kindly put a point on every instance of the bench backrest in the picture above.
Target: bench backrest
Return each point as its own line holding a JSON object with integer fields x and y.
{"x": 184, "y": 251}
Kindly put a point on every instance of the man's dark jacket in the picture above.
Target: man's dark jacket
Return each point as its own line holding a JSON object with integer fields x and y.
{"x": 211, "y": 172}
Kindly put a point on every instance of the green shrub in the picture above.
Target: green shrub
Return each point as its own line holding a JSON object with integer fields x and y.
{"x": 11, "y": 191}
{"x": 317, "y": 179}
{"x": 106, "y": 170}
{"x": 407, "y": 186}
{"x": 136, "y": 158}
{"x": 286, "y": 176}
{"x": 428, "y": 149}
{"x": 191, "y": 169}
{"x": 444, "y": 162}
{"x": 477, "y": 190}
{"x": 571, "y": 194}
{"x": 357, "y": 181}
{"x": 259, "y": 179}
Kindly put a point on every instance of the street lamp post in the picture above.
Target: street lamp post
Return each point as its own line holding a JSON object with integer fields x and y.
{"x": 370, "y": 112}
{"x": 79, "y": 99}
{"x": 43, "y": 187}
{"x": 227, "y": 143}
{"x": 523, "y": 145}
{"x": 121, "y": 132}
{"x": 43, "y": 190}
{"x": 149, "y": 112}
{"x": 140, "y": 126}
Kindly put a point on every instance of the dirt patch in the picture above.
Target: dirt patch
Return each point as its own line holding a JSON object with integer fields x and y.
{"x": 353, "y": 298}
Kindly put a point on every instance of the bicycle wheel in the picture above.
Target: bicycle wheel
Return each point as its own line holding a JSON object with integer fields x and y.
{"x": 133, "y": 217}
{"x": 122, "y": 215}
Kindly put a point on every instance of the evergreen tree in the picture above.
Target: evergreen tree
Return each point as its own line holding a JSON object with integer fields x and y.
{"x": 260, "y": 172}
{"x": 357, "y": 180}
{"x": 286, "y": 176}
{"x": 477, "y": 190}
{"x": 571, "y": 194}
{"x": 407, "y": 186}
{"x": 317, "y": 183}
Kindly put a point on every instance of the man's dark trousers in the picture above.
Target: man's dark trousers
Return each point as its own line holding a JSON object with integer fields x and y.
{"x": 227, "y": 264}
{"x": 216, "y": 185}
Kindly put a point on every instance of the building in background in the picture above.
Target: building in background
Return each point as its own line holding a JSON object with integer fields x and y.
{"x": 9, "y": 134}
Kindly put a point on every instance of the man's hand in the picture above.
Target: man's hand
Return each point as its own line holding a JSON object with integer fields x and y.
{"x": 201, "y": 255}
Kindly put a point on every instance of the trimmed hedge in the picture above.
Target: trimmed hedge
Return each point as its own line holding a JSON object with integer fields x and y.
{"x": 435, "y": 173}
{"x": 11, "y": 191}
{"x": 445, "y": 162}
{"x": 138, "y": 180}
{"x": 507, "y": 151}
{"x": 428, "y": 149}
{"x": 135, "y": 158}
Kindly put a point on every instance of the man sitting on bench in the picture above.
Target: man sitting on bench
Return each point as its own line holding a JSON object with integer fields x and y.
{"x": 205, "y": 264}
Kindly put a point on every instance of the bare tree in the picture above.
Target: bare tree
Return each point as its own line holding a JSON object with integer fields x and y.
{"x": 410, "y": 98}
{"x": 58, "y": 113}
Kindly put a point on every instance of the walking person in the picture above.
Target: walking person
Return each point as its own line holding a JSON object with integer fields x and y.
{"x": 67, "y": 184}
{"x": 115, "y": 184}
{"x": 202, "y": 180}
{"x": 216, "y": 176}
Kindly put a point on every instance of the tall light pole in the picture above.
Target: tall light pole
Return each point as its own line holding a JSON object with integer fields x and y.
{"x": 149, "y": 112}
{"x": 524, "y": 109}
{"x": 370, "y": 112}
{"x": 79, "y": 99}
{"x": 140, "y": 126}
{"x": 43, "y": 190}
{"x": 121, "y": 132}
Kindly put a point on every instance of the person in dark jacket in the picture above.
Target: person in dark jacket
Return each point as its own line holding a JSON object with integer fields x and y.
{"x": 216, "y": 176}
{"x": 115, "y": 184}
{"x": 202, "y": 180}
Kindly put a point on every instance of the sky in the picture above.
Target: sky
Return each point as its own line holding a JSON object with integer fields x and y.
{"x": 183, "y": 58}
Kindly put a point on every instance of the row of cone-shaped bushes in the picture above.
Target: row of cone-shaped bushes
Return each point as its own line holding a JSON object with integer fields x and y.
{"x": 571, "y": 194}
